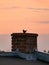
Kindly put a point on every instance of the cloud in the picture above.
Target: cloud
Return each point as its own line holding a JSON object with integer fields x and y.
{"x": 13, "y": 7}
{"x": 39, "y": 9}
{"x": 35, "y": 9}
{"x": 44, "y": 22}
{"x": 41, "y": 22}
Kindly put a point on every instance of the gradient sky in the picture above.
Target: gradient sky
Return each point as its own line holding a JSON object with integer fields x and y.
{"x": 16, "y": 15}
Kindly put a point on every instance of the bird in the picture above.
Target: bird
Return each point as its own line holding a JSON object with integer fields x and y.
{"x": 24, "y": 31}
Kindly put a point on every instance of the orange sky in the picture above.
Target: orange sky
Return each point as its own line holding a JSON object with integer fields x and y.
{"x": 16, "y": 15}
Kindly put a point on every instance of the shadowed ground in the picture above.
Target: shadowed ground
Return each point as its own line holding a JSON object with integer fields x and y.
{"x": 17, "y": 61}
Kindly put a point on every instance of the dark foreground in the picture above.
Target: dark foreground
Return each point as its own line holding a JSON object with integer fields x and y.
{"x": 17, "y": 61}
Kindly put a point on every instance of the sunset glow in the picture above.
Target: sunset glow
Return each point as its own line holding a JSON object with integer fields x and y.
{"x": 32, "y": 15}
{"x": 16, "y": 15}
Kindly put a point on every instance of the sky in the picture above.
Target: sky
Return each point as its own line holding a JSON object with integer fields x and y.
{"x": 16, "y": 15}
{"x": 32, "y": 15}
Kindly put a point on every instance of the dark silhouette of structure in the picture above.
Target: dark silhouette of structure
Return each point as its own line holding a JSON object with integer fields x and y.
{"x": 24, "y": 42}
{"x": 24, "y": 31}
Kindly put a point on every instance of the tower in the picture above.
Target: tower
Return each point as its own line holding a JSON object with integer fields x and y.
{"x": 24, "y": 42}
